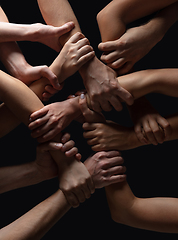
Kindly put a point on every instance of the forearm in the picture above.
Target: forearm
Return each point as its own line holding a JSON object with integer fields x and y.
{"x": 14, "y": 177}
{"x": 57, "y": 13}
{"x": 155, "y": 214}
{"x": 163, "y": 20}
{"x": 35, "y": 223}
{"x": 140, "y": 83}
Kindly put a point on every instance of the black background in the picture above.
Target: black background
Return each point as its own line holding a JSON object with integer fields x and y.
{"x": 151, "y": 170}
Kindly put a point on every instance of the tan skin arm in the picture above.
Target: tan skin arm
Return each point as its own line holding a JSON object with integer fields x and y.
{"x": 100, "y": 84}
{"x": 140, "y": 83}
{"x": 155, "y": 214}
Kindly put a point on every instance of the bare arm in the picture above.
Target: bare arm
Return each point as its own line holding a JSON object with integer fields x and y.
{"x": 155, "y": 214}
{"x": 35, "y": 223}
{"x": 101, "y": 85}
{"x": 123, "y": 48}
{"x": 140, "y": 83}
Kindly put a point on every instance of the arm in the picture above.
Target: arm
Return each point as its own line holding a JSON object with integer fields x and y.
{"x": 122, "y": 52}
{"x": 105, "y": 168}
{"x": 35, "y": 223}
{"x": 100, "y": 84}
{"x": 15, "y": 94}
{"x": 140, "y": 83}
{"x": 11, "y": 55}
{"x": 155, "y": 214}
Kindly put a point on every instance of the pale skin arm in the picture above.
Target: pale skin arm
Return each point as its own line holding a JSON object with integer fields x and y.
{"x": 101, "y": 85}
{"x": 12, "y": 57}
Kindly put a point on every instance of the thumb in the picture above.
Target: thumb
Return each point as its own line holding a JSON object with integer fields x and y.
{"x": 49, "y": 146}
{"x": 66, "y": 28}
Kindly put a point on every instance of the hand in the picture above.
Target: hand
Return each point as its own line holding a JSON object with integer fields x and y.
{"x": 123, "y": 53}
{"x": 106, "y": 168}
{"x": 28, "y": 74}
{"x": 44, "y": 161}
{"x": 88, "y": 114}
{"x": 68, "y": 147}
{"x": 109, "y": 136}
{"x": 75, "y": 182}
{"x": 103, "y": 88}
{"x": 52, "y": 119}
{"x": 75, "y": 53}
{"x": 150, "y": 127}
{"x": 49, "y": 35}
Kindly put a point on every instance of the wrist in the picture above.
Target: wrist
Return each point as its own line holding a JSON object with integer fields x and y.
{"x": 74, "y": 105}
{"x": 88, "y": 68}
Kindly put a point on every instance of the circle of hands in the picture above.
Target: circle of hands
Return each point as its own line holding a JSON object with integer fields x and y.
{"x": 79, "y": 180}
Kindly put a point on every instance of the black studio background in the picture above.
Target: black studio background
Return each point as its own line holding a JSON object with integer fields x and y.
{"x": 151, "y": 170}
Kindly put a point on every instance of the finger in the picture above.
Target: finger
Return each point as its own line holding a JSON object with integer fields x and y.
{"x": 47, "y": 135}
{"x": 43, "y": 111}
{"x": 85, "y": 58}
{"x": 89, "y": 126}
{"x": 95, "y": 105}
{"x": 68, "y": 146}
{"x": 72, "y": 199}
{"x": 78, "y": 156}
{"x": 90, "y": 134}
{"x": 116, "y": 170}
{"x": 83, "y": 42}
{"x": 47, "y": 73}
{"x": 149, "y": 133}
{"x": 49, "y": 146}
{"x": 65, "y": 138}
{"x": 112, "y": 154}
{"x": 91, "y": 186}
{"x": 72, "y": 152}
{"x": 80, "y": 194}
{"x": 75, "y": 38}
{"x": 51, "y": 90}
{"x": 109, "y": 57}
{"x": 116, "y": 179}
{"x": 125, "y": 95}
{"x": 107, "y": 46}
{"x": 105, "y": 105}
{"x": 93, "y": 141}
{"x": 166, "y": 127}
{"x": 139, "y": 133}
{"x": 66, "y": 28}
{"x": 157, "y": 131}
{"x": 115, "y": 102}
{"x": 37, "y": 125}
{"x": 118, "y": 63}
{"x": 46, "y": 96}
{"x": 87, "y": 113}
{"x": 125, "y": 68}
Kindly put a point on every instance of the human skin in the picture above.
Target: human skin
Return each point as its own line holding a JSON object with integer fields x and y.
{"x": 105, "y": 168}
{"x": 155, "y": 214}
{"x": 12, "y": 57}
{"x": 101, "y": 84}
{"x": 17, "y": 102}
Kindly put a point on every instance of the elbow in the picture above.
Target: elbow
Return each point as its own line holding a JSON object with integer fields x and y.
{"x": 102, "y": 17}
{"x": 116, "y": 217}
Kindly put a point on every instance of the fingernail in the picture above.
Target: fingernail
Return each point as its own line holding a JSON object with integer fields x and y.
{"x": 58, "y": 145}
{"x": 82, "y": 96}
{"x": 30, "y": 119}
